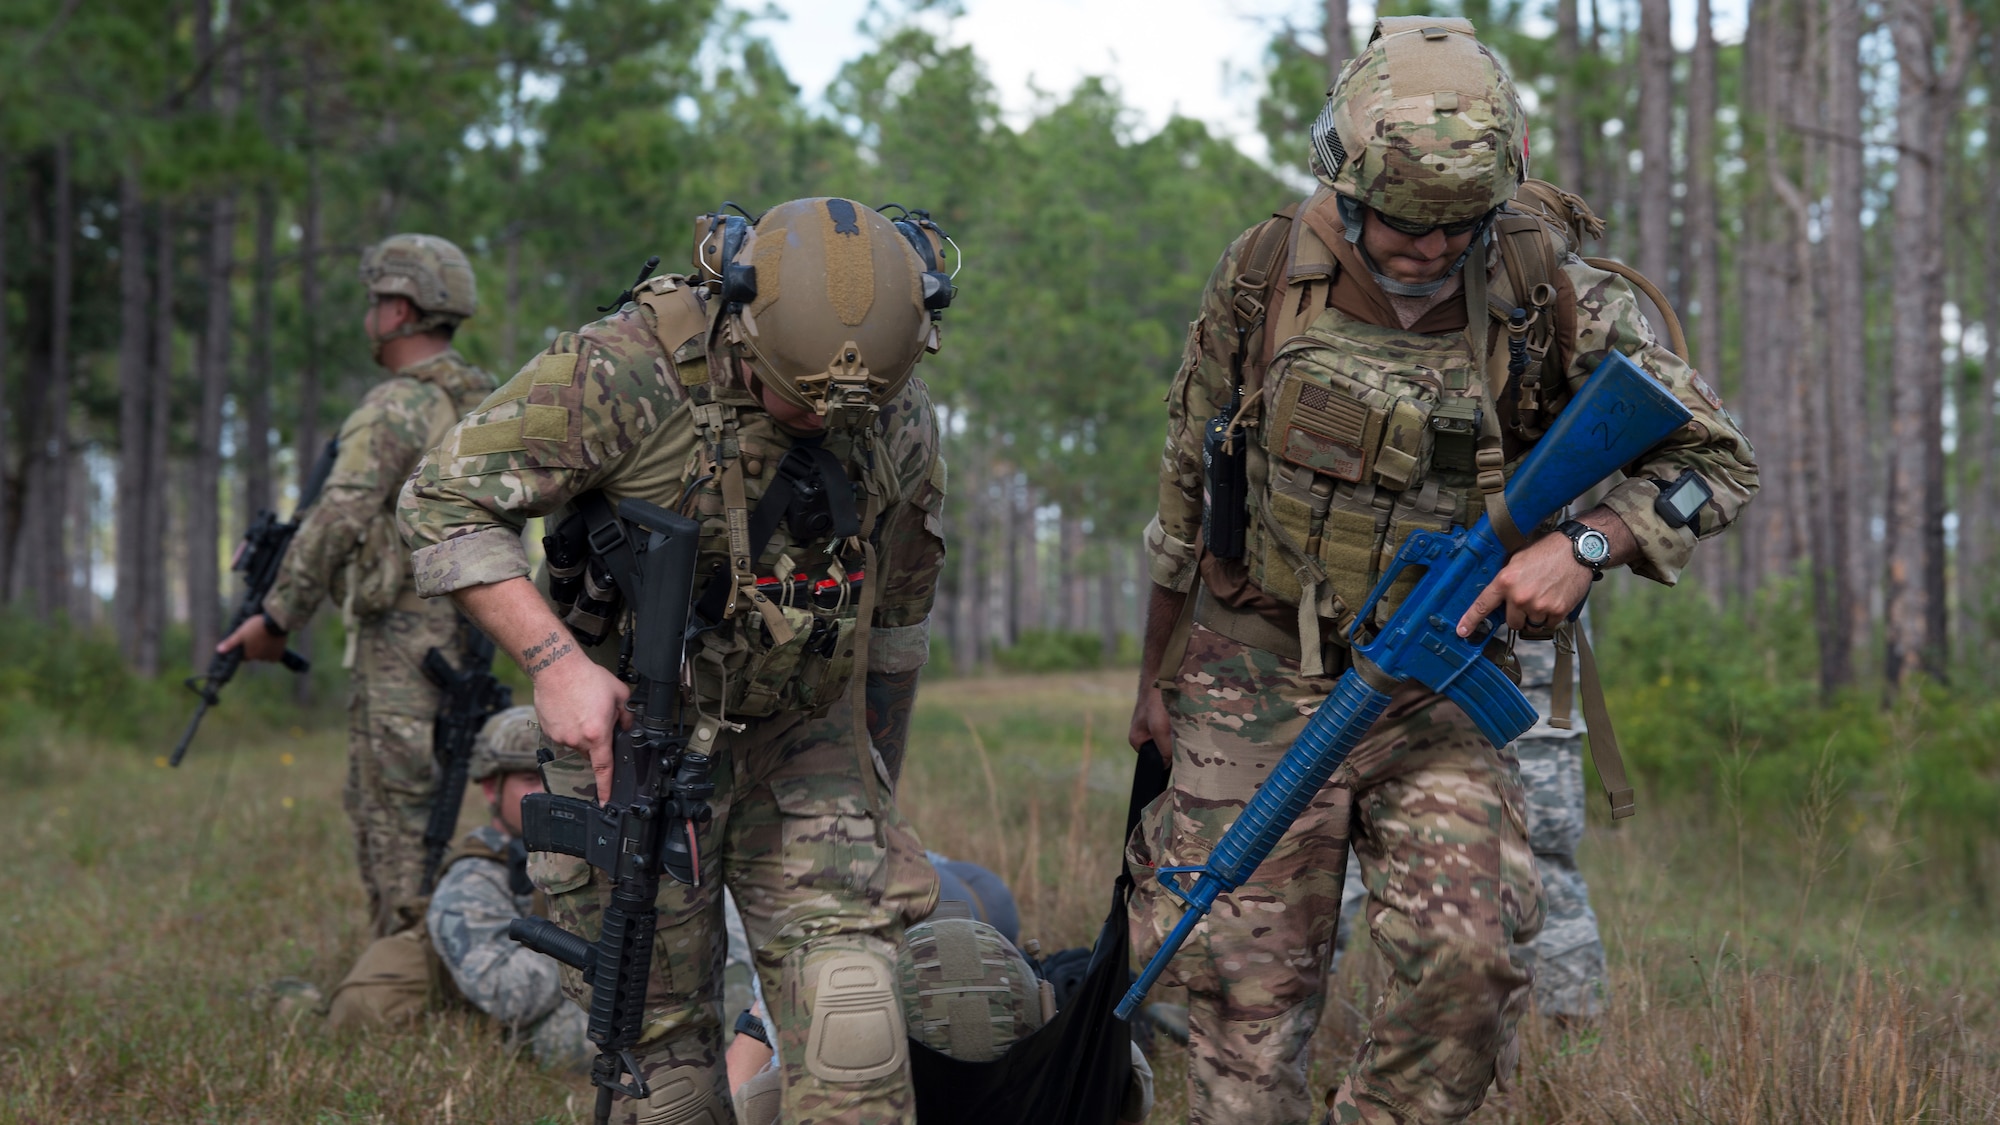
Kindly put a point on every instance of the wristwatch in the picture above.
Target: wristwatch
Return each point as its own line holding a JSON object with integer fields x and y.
{"x": 749, "y": 1024}
{"x": 1588, "y": 545}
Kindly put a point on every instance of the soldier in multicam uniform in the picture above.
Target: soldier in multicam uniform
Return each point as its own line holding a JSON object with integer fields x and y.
{"x": 1368, "y": 410}
{"x": 347, "y": 551}
{"x": 792, "y": 362}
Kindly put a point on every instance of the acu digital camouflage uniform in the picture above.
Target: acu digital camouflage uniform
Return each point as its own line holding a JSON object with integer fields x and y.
{"x": 1437, "y": 815}
{"x": 614, "y": 408}
{"x": 520, "y": 989}
{"x": 347, "y": 551}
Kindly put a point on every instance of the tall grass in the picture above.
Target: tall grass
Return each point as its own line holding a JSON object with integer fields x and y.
{"x": 1789, "y": 934}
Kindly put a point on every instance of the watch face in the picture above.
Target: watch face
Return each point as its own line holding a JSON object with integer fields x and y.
{"x": 1592, "y": 547}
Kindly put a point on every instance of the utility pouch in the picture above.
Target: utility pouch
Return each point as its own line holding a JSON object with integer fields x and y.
{"x": 580, "y": 584}
{"x": 1325, "y": 428}
{"x": 1225, "y": 463}
{"x": 1406, "y": 439}
{"x": 1455, "y": 434}
{"x": 769, "y": 669}
{"x": 827, "y": 660}
{"x": 1429, "y": 508}
{"x": 377, "y": 569}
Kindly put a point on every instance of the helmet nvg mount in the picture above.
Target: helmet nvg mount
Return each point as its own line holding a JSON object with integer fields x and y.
{"x": 832, "y": 303}
{"x": 1424, "y": 125}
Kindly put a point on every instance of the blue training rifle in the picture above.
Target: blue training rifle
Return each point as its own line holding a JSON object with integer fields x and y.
{"x": 1619, "y": 414}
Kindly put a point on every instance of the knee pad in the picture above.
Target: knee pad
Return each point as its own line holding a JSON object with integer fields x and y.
{"x": 684, "y": 1095}
{"x": 857, "y": 1032}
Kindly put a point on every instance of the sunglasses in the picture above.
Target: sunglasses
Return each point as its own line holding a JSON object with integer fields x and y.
{"x": 1419, "y": 230}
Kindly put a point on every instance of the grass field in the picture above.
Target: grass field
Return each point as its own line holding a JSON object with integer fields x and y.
{"x": 1797, "y": 965}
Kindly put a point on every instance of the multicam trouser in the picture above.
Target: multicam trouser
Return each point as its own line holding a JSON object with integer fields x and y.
{"x": 824, "y": 905}
{"x": 1437, "y": 829}
{"x": 391, "y": 771}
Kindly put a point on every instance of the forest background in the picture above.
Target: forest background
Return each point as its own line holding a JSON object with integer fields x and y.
{"x": 185, "y": 189}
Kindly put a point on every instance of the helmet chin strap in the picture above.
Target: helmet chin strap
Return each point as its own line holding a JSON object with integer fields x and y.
{"x": 1351, "y": 219}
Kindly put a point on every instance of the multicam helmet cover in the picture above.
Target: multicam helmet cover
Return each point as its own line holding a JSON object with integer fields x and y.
{"x": 1424, "y": 125}
{"x": 507, "y": 744}
{"x": 431, "y": 272}
{"x": 966, "y": 990}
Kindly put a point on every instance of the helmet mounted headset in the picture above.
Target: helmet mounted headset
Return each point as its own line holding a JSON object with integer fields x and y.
{"x": 870, "y": 293}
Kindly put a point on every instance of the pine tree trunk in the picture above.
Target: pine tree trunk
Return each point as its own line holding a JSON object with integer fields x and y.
{"x": 52, "y": 480}
{"x": 1076, "y": 596}
{"x": 1339, "y": 40}
{"x": 1656, "y": 140}
{"x": 1569, "y": 102}
{"x": 1752, "y": 533}
{"x": 1847, "y": 338}
{"x": 135, "y": 404}
{"x": 510, "y": 320}
{"x": 9, "y": 509}
{"x": 1979, "y": 453}
{"x": 970, "y": 649}
{"x": 154, "y": 497}
{"x": 1915, "y": 377}
{"x": 307, "y": 438}
{"x": 1700, "y": 229}
{"x": 259, "y": 492}
{"x": 1012, "y": 500}
{"x": 1107, "y": 604}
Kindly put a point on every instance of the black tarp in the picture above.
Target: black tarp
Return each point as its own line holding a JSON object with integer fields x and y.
{"x": 1073, "y": 1070}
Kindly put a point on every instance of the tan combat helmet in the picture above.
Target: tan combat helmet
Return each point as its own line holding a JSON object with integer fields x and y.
{"x": 1424, "y": 125}
{"x": 507, "y": 744}
{"x": 967, "y": 992}
{"x": 831, "y": 311}
{"x": 431, "y": 272}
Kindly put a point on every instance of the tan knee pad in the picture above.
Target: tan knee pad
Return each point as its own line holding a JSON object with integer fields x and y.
{"x": 684, "y": 1095}
{"x": 857, "y": 1032}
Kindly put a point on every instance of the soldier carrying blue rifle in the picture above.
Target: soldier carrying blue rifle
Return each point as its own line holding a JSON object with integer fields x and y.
{"x": 1381, "y": 417}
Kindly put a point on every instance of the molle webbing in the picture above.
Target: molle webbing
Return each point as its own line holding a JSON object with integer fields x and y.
{"x": 1255, "y": 281}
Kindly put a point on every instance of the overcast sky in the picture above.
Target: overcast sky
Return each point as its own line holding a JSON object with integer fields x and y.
{"x": 1200, "y": 58}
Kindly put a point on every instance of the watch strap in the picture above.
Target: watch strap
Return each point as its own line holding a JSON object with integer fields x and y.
{"x": 1574, "y": 531}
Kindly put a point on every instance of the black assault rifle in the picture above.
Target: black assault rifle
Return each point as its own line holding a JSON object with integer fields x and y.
{"x": 471, "y": 696}
{"x": 659, "y": 793}
{"x": 258, "y": 557}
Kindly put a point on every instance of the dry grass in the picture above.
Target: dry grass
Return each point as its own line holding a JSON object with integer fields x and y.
{"x": 1772, "y": 973}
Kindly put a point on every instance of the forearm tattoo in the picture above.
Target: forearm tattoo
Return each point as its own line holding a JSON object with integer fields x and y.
{"x": 538, "y": 657}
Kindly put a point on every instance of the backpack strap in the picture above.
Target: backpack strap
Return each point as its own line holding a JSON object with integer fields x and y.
{"x": 1251, "y": 289}
{"x": 1675, "y": 336}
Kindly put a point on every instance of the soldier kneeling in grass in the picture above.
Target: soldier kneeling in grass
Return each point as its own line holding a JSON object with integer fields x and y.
{"x": 461, "y": 956}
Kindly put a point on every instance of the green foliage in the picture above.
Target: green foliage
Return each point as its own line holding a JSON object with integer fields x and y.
{"x": 1052, "y": 650}
{"x": 1060, "y": 650}
{"x": 1712, "y": 704}
{"x": 59, "y": 684}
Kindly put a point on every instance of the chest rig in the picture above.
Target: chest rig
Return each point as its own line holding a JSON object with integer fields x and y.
{"x": 786, "y": 635}
{"x": 1344, "y": 436}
